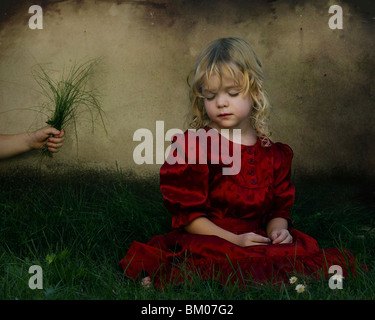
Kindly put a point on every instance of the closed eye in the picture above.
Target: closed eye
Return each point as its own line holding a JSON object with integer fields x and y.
{"x": 210, "y": 98}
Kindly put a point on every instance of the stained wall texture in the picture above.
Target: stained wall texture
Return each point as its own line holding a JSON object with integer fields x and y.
{"x": 321, "y": 81}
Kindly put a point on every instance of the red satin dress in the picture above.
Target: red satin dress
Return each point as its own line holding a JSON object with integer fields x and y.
{"x": 240, "y": 203}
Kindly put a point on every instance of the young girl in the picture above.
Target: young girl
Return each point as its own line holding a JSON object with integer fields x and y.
{"x": 233, "y": 227}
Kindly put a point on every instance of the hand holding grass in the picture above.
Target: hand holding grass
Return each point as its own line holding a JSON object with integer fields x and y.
{"x": 67, "y": 95}
{"x": 47, "y": 137}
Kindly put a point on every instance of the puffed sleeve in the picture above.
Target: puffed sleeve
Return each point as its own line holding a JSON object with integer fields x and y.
{"x": 184, "y": 185}
{"x": 283, "y": 189}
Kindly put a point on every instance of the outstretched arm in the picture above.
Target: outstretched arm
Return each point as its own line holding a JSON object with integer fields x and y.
{"x": 204, "y": 226}
{"x": 13, "y": 144}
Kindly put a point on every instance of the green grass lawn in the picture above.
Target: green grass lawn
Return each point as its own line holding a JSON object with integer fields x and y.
{"x": 77, "y": 230}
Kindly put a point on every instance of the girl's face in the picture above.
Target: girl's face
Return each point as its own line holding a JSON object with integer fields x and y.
{"x": 225, "y": 104}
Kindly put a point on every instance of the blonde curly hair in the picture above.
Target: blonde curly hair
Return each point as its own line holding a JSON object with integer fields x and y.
{"x": 238, "y": 57}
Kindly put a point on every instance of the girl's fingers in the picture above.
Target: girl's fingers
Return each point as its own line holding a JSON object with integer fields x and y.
{"x": 258, "y": 238}
{"x": 252, "y": 239}
{"x": 283, "y": 238}
{"x": 275, "y": 237}
{"x": 260, "y": 243}
{"x": 279, "y": 239}
{"x": 288, "y": 239}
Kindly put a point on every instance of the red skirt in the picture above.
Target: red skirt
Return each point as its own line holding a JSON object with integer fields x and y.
{"x": 178, "y": 257}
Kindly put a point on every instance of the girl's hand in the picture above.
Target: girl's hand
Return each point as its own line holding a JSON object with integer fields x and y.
{"x": 281, "y": 236}
{"x": 251, "y": 239}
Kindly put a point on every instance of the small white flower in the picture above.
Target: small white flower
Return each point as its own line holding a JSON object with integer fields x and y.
{"x": 146, "y": 282}
{"x": 338, "y": 277}
{"x": 293, "y": 280}
{"x": 300, "y": 288}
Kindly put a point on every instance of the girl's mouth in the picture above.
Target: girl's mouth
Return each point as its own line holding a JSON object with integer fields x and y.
{"x": 225, "y": 115}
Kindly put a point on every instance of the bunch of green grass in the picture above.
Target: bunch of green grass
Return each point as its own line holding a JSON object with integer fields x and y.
{"x": 68, "y": 95}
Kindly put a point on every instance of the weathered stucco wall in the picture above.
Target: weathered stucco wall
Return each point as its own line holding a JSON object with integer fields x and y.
{"x": 321, "y": 81}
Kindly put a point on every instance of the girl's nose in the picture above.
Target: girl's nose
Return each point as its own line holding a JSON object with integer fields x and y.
{"x": 222, "y": 101}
